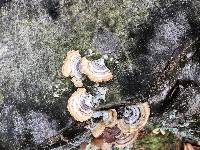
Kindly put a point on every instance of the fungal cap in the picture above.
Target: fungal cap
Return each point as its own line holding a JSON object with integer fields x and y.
{"x": 96, "y": 70}
{"x": 71, "y": 67}
{"x": 97, "y": 129}
{"x": 77, "y": 82}
{"x": 144, "y": 111}
{"x": 76, "y": 107}
{"x": 111, "y": 119}
{"x": 126, "y": 139}
{"x": 67, "y": 68}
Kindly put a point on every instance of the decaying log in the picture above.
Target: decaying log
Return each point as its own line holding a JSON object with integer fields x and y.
{"x": 67, "y": 137}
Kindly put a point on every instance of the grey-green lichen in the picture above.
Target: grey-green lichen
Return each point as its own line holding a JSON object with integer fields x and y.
{"x": 1, "y": 97}
{"x": 85, "y": 17}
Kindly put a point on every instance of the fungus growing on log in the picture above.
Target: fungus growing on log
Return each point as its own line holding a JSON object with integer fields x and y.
{"x": 109, "y": 120}
{"x": 97, "y": 128}
{"x": 124, "y": 140}
{"x": 109, "y": 117}
{"x": 134, "y": 118}
{"x": 81, "y": 104}
{"x": 71, "y": 67}
{"x": 106, "y": 127}
{"x": 114, "y": 136}
{"x": 96, "y": 70}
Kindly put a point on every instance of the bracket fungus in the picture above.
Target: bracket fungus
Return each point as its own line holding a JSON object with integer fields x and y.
{"x": 109, "y": 117}
{"x": 107, "y": 128}
{"x": 81, "y": 104}
{"x": 114, "y": 136}
{"x": 71, "y": 67}
{"x": 97, "y": 128}
{"x": 134, "y": 118}
{"x": 96, "y": 70}
{"x": 126, "y": 139}
{"x": 109, "y": 120}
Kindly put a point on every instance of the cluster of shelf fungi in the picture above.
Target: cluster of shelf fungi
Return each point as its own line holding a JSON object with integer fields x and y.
{"x": 117, "y": 127}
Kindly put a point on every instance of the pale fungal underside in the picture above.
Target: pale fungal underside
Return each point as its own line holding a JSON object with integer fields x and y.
{"x": 134, "y": 118}
{"x": 81, "y": 104}
{"x": 96, "y": 70}
{"x": 71, "y": 67}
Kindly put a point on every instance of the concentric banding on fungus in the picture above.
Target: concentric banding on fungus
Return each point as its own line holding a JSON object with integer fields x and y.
{"x": 131, "y": 114}
{"x": 71, "y": 67}
{"x": 126, "y": 139}
{"x": 96, "y": 70}
{"x": 97, "y": 128}
{"x": 80, "y": 105}
{"x": 98, "y": 66}
{"x": 136, "y": 118}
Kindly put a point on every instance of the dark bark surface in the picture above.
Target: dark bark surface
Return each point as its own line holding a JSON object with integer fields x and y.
{"x": 152, "y": 48}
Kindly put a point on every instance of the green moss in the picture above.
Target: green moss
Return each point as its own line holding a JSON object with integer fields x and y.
{"x": 157, "y": 142}
{"x": 83, "y": 22}
{"x": 86, "y": 17}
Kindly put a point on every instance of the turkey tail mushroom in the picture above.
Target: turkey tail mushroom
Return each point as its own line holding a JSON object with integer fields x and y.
{"x": 81, "y": 104}
{"x": 134, "y": 118}
{"x": 96, "y": 70}
{"x": 97, "y": 128}
{"x": 126, "y": 139}
{"x": 71, "y": 67}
